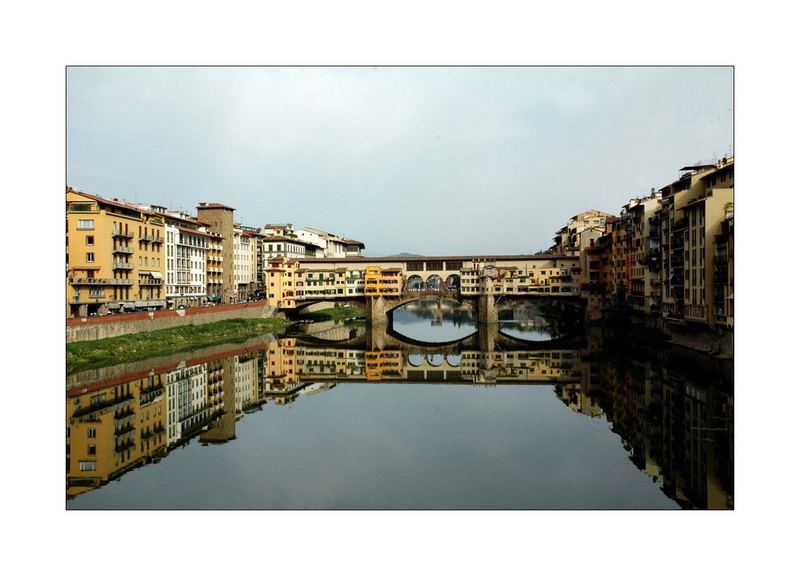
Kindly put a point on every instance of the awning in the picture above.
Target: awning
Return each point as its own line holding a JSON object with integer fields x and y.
{"x": 156, "y": 275}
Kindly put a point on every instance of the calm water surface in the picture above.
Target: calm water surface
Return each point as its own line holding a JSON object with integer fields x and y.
{"x": 330, "y": 421}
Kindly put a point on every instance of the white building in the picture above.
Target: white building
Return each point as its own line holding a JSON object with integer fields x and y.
{"x": 186, "y": 243}
{"x": 245, "y": 262}
{"x": 332, "y": 245}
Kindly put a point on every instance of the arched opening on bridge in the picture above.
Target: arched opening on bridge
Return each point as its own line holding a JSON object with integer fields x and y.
{"x": 434, "y": 282}
{"x": 453, "y": 360}
{"x": 415, "y": 283}
{"x": 435, "y": 359}
{"x": 416, "y": 360}
{"x": 454, "y": 283}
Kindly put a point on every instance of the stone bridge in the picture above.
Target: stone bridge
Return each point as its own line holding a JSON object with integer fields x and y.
{"x": 383, "y": 284}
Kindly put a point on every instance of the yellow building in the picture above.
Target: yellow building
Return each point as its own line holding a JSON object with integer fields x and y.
{"x": 383, "y": 281}
{"x": 112, "y": 427}
{"x": 114, "y": 256}
{"x": 282, "y": 274}
{"x": 704, "y": 213}
{"x": 321, "y": 283}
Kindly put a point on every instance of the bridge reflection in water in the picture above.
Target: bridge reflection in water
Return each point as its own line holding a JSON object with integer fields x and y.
{"x": 676, "y": 430}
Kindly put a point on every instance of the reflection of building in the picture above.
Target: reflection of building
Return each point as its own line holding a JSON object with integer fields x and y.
{"x": 112, "y": 427}
{"x": 246, "y": 382}
{"x": 221, "y": 401}
{"x": 281, "y": 377}
{"x": 187, "y": 402}
{"x": 677, "y": 432}
{"x": 573, "y": 396}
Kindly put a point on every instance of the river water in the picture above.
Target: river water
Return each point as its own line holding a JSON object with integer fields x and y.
{"x": 341, "y": 416}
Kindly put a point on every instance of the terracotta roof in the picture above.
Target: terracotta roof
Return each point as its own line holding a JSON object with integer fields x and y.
{"x": 118, "y": 203}
{"x": 353, "y": 242}
{"x": 203, "y": 205}
{"x": 192, "y": 231}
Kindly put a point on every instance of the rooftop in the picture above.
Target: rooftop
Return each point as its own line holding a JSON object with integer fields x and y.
{"x": 212, "y": 205}
{"x": 478, "y": 258}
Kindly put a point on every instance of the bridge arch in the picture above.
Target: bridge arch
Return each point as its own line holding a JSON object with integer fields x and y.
{"x": 435, "y": 282}
{"x": 453, "y": 360}
{"x": 453, "y": 282}
{"x": 415, "y": 283}
{"x": 416, "y": 360}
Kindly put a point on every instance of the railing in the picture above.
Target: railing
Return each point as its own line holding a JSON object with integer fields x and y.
{"x": 118, "y": 233}
{"x": 681, "y": 224}
{"x": 150, "y": 282}
{"x": 117, "y": 265}
{"x": 102, "y": 406}
{"x": 122, "y": 250}
{"x": 127, "y": 444}
{"x": 100, "y": 281}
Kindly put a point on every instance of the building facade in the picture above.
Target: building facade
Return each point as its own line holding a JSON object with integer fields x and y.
{"x": 115, "y": 256}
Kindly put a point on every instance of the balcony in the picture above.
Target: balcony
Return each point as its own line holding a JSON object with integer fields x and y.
{"x": 75, "y": 281}
{"x": 681, "y": 224}
{"x": 150, "y": 282}
{"x": 126, "y": 445}
{"x": 721, "y": 260}
{"x": 122, "y": 250}
{"x": 93, "y": 411}
{"x": 157, "y": 240}
{"x": 120, "y": 265}
{"x": 119, "y": 233}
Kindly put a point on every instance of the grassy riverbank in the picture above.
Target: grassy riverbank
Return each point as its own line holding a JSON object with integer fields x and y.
{"x": 337, "y": 313}
{"x": 110, "y": 351}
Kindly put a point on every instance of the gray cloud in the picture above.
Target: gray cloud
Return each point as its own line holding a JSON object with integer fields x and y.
{"x": 426, "y": 160}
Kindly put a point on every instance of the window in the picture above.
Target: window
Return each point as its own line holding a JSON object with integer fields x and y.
{"x": 92, "y": 433}
{"x": 90, "y": 256}
{"x": 88, "y": 465}
{"x": 92, "y": 450}
{"x": 85, "y": 224}
{"x": 90, "y": 240}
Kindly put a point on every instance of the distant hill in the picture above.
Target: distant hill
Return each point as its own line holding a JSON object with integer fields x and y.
{"x": 403, "y": 255}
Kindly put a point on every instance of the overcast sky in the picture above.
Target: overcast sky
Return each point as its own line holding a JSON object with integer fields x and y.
{"x": 432, "y": 161}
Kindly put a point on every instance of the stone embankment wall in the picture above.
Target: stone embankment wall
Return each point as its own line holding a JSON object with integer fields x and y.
{"x": 702, "y": 339}
{"x": 95, "y": 328}
{"x": 693, "y": 336}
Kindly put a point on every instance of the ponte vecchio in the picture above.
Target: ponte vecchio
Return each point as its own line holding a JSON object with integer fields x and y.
{"x": 386, "y": 283}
